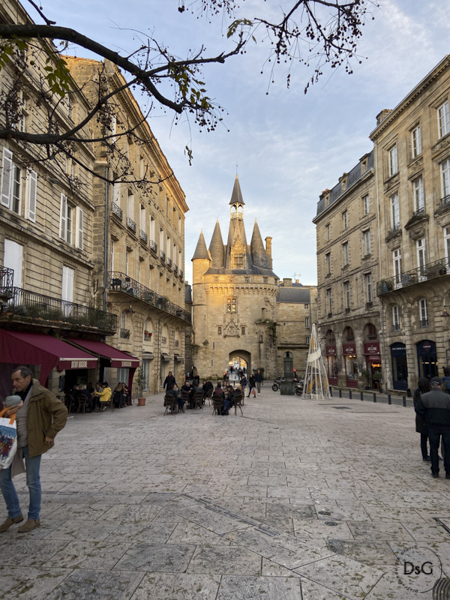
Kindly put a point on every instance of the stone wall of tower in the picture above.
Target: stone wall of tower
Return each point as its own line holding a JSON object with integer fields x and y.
{"x": 234, "y": 315}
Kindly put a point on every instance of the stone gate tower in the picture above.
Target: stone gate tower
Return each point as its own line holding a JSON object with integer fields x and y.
{"x": 234, "y": 298}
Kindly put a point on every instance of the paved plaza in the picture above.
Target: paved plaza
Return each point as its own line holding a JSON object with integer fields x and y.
{"x": 297, "y": 500}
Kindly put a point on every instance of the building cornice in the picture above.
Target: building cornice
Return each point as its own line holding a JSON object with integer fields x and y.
{"x": 413, "y": 94}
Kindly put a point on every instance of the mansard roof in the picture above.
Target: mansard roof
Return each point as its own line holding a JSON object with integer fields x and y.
{"x": 295, "y": 294}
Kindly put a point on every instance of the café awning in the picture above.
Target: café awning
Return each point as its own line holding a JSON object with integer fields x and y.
{"x": 22, "y": 347}
{"x": 117, "y": 358}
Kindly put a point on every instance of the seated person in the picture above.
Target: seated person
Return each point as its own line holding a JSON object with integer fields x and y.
{"x": 176, "y": 394}
{"x": 207, "y": 386}
{"x": 228, "y": 402}
{"x": 218, "y": 393}
{"x": 104, "y": 395}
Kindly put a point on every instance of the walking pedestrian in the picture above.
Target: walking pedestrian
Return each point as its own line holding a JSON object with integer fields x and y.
{"x": 169, "y": 382}
{"x": 251, "y": 385}
{"x": 259, "y": 379}
{"x": 434, "y": 408}
{"x": 424, "y": 387}
{"x": 39, "y": 417}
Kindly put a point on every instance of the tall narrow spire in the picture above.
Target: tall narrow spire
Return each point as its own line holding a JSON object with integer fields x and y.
{"x": 201, "y": 250}
{"x": 216, "y": 248}
{"x": 259, "y": 255}
{"x": 236, "y": 196}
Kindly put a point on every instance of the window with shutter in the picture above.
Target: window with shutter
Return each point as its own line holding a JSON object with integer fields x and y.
{"x": 7, "y": 165}
{"x": 31, "y": 196}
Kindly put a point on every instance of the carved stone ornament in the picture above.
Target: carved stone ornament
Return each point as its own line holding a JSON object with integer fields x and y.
{"x": 417, "y": 233}
{"x": 231, "y": 329}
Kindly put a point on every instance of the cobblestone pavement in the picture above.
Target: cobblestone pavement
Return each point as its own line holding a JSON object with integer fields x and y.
{"x": 297, "y": 500}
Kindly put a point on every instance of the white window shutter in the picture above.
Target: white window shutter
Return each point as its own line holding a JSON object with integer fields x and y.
{"x": 31, "y": 195}
{"x": 63, "y": 232}
{"x": 7, "y": 172}
{"x": 79, "y": 228}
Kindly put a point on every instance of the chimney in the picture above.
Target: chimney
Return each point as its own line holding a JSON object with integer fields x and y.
{"x": 269, "y": 250}
{"x": 382, "y": 115}
{"x": 287, "y": 282}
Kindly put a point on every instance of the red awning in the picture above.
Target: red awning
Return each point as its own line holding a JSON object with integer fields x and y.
{"x": 21, "y": 347}
{"x": 119, "y": 359}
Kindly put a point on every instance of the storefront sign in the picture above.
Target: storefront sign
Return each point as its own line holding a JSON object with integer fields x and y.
{"x": 79, "y": 364}
{"x": 427, "y": 346}
{"x": 331, "y": 351}
{"x": 349, "y": 349}
{"x": 372, "y": 348}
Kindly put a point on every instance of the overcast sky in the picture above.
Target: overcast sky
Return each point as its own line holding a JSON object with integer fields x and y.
{"x": 288, "y": 146}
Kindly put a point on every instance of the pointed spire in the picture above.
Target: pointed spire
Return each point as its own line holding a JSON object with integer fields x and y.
{"x": 236, "y": 196}
{"x": 216, "y": 248}
{"x": 201, "y": 250}
{"x": 258, "y": 251}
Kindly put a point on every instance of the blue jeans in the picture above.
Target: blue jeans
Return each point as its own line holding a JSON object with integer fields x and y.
{"x": 32, "y": 466}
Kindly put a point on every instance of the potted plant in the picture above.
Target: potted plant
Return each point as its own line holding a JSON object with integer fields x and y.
{"x": 366, "y": 375}
{"x": 139, "y": 386}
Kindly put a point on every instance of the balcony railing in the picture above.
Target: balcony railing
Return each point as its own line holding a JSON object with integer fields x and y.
{"x": 424, "y": 322}
{"x": 119, "y": 282}
{"x": 181, "y": 275}
{"x": 163, "y": 340}
{"x": 153, "y": 246}
{"x": 39, "y": 308}
{"x": 162, "y": 256}
{"x": 175, "y": 269}
{"x": 6, "y": 283}
{"x": 419, "y": 211}
{"x": 423, "y": 273}
{"x": 125, "y": 334}
{"x": 116, "y": 210}
{"x": 445, "y": 200}
{"x": 131, "y": 224}
{"x": 143, "y": 236}
{"x": 177, "y": 343}
{"x": 148, "y": 336}
{"x": 169, "y": 263}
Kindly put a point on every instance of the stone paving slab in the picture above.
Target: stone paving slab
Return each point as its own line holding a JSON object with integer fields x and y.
{"x": 196, "y": 506}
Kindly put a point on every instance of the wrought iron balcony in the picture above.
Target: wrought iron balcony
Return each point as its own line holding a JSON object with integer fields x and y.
{"x": 445, "y": 200}
{"x": 120, "y": 282}
{"x": 125, "y": 334}
{"x": 177, "y": 343}
{"x": 181, "y": 275}
{"x": 116, "y": 210}
{"x": 169, "y": 263}
{"x": 163, "y": 340}
{"x": 175, "y": 269}
{"x": 6, "y": 283}
{"x": 143, "y": 236}
{"x": 39, "y": 310}
{"x": 162, "y": 256}
{"x": 153, "y": 246}
{"x": 131, "y": 224}
{"x": 424, "y": 322}
{"x": 421, "y": 274}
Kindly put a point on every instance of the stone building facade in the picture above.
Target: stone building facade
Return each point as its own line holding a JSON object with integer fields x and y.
{"x": 296, "y": 312}
{"x": 402, "y": 198}
{"x": 138, "y": 249}
{"x": 46, "y": 222}
{"x": 347, "y": 263}
{"x": 234, "y": 299}
{"x": 412, "y": 146}
{"x": 240, "y": 312}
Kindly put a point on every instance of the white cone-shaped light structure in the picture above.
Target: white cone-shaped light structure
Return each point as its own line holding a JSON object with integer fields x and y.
{"x": 316, "y": 381}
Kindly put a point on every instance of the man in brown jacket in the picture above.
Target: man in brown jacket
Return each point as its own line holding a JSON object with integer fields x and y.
{"x": 39, "y": 417}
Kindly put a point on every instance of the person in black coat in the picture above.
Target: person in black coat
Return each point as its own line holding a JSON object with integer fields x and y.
{"x": 434, "y": 408}
{"x": 251, "y": 385}
{"x": 424, "y": 387}
{"x": 169, "y": 381}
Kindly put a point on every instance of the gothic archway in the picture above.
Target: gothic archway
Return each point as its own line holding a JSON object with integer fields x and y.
{"x": 241, "y": 357}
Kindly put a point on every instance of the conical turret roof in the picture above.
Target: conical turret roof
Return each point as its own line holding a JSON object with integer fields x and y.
{"x": 259, "y": 256}
{"x": 216, "y": 249}
{"x": 236, "y": 196}
{"x": 201, "y": 250}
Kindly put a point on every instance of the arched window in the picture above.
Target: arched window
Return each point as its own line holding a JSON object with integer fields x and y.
{"x": 330, "y": 338}
{"x": 370, "y": 332}
{"x": 349, "y": 336}
{"x": 148, "y": 331}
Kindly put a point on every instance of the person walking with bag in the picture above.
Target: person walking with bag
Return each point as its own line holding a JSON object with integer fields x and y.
{"x": 251, "y": 385}
{"x": 39, "y": 417}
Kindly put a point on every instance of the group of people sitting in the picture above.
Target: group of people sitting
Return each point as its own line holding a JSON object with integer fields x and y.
{"x": 229, "y": 397}
{"x": 97, "y": 398}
